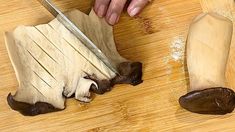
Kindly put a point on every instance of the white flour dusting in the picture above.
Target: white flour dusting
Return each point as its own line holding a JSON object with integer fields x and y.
{"x": 177, "y": 54}
{"x": 178, "y": 49}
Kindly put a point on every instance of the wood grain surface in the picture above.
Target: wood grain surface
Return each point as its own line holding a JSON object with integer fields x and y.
{"x": 151, "y": 106}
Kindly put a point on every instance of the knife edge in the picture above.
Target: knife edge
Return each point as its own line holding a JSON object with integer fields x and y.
{"x": 78, "y": 33}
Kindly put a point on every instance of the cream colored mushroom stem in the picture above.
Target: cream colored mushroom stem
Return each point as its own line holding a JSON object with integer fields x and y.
{"x": 208, "y": 46}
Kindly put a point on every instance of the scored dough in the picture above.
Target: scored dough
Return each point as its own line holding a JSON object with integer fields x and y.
{"x": 50, "y": 63}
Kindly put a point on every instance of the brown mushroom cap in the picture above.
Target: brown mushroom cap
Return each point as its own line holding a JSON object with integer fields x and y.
{"x": 30, "y": 109}
{"x": 130, "y": 73}
{"x": 215, "y": 100}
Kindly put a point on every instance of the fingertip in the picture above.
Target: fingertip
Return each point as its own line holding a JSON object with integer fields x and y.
{"x": 101, "y": 10}
{"x": 114, "y": 11}
{"x": 107, "y": 16}
{"x": 112, "y": 19}
{"x": 101, "y": 7}
{"x": 117, "y": 20}
{"x": 96, "y": 7}
{"x": 136, "y": 6}
{"x": 133, "y": 12}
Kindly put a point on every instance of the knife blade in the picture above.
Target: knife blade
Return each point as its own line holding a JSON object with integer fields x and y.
{"x": 77, "y": 32}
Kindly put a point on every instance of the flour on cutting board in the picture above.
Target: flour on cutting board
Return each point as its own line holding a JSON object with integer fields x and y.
{"x": 176, "y": 53}
{"x": 177, "y": 49}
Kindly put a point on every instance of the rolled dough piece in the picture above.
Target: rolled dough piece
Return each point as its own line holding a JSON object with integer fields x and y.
{"x": 51, "y": 63}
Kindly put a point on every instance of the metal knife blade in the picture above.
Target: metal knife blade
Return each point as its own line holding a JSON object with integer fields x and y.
{"x": 78, "y": 33}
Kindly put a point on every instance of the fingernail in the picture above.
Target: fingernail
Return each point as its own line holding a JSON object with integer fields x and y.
{"x": 113, "y": 18}
{"x": 134, "y": 11}
{"x": 101, "y": 11}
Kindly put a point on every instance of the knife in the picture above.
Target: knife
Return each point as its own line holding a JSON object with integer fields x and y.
{"x": 77, "y": 32}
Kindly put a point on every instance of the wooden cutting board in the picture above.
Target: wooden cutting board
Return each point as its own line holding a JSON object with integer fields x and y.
{"x": 151, "y": 106}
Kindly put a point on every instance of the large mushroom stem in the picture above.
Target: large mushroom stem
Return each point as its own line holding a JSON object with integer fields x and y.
{"x": 208, "y": 46}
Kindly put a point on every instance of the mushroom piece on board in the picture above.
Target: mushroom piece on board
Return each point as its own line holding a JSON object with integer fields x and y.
{"x": 51, "y": 64}
{"x": 208, "y": 47}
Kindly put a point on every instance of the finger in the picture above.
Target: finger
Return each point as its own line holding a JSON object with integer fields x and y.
{"x": 114, "y": 11}
{"x": 136, "y": 6}
{"x": 101, "y": 7}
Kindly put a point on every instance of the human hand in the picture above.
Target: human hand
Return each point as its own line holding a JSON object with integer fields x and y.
{"x": 112, "y": 9}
